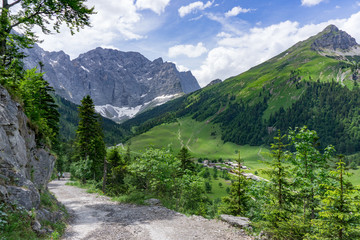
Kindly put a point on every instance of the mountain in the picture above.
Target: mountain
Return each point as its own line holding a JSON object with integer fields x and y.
{"x": 313, "y": 83}
{"x": 121, "y": 84}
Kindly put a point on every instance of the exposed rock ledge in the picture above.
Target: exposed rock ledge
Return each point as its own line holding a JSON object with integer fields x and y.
{"x": 25, "y": 169}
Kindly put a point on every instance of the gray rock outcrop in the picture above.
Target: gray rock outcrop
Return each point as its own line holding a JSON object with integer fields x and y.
{"x": 241, "y": 222}
{"x": 334, "y": 39}
{"x": 25, "y": 168}
{"x": 213, "y": 82}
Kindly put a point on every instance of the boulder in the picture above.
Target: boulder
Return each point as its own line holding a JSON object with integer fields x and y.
{"x": 241, "y": 222}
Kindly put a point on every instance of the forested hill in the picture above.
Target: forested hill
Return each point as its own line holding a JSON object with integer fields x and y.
{"x": 313, "y": 83}
{"x": 69, "y": 120}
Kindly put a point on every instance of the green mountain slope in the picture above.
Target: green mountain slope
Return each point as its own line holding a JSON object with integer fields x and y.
{"x": 300, "y": 86}
{"x": 202, "y": 139}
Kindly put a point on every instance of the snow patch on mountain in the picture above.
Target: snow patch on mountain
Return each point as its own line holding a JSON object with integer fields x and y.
{"x": 120, "y": 114}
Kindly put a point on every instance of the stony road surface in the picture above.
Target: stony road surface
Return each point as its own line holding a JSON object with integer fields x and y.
{"x": 96, "y": 217}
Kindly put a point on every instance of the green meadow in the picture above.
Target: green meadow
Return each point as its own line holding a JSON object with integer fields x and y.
{"x": 201, "y": 138}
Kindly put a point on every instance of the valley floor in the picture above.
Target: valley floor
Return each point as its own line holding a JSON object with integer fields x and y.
{"x": 96, "y": 217}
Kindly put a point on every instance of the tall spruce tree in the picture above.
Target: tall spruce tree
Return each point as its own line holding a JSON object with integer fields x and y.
{"x": 277, "y": 211}
{"x": 89, "y": 142}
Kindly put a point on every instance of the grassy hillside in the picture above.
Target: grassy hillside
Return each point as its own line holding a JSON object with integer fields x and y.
{"x": 202, "y": 139}
{"x": 303, "y": 81}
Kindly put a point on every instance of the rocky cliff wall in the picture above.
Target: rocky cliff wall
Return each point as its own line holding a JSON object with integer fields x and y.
{"x": 121, "y": 79}
{"x": 25, "y": 169}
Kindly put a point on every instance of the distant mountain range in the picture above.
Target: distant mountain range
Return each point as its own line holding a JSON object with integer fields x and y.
{"x": 121, "y": 84}
{"x": 313, "y": 83}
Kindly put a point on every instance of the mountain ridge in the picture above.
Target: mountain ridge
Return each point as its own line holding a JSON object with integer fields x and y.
{"x": 121, "y": 80}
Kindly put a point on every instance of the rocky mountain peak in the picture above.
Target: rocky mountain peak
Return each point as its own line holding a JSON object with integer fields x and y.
{"x": 331, "y": 38}
{"x": 158, "y": 61}
{"x": 116, "y": 80}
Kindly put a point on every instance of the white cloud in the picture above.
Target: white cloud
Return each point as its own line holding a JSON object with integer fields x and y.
{"x": 235, "y": 26}
{"x": 158, "y": 6}
{"x": 236, "y": 54}
{"x": 223, "y": 35}
{"x": 196, "y": 18}
{"x": 181, "y": 68}
{"x": 193, "y": 7}
{"x": 190, "y": 51}
{"x": 110, "y": 47}
{"x": 115, "y": 21}
{"x": 310, "y": 3}
{"x": 236, "y": 11}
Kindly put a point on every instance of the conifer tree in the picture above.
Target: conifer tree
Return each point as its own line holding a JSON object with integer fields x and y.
{"x": 339, "y": 212}
{"x": 237, "y": 202}
{"x": 40, "y": 106}
{"x": 310, "y": 168}
{"x": 89, "y": 138}
{"x": 127, "y": 157}
{"x": 185, "y": 158}
{"x": 117, "y": 169}
{"x": 278, "y": 209}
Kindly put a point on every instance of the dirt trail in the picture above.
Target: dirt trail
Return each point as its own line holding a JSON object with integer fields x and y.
{"x": 96, "y": 217}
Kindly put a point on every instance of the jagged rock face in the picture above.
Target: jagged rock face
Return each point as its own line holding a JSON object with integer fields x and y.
{"x": 25, "y": 169}
{"x": 334, "y": 39}
{"x": 119, "y": 79}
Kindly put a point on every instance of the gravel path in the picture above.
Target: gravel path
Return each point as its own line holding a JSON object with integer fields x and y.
{"x": 96, "y": 217}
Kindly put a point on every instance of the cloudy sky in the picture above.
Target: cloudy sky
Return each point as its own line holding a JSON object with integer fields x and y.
{"x": 213, "y": 39}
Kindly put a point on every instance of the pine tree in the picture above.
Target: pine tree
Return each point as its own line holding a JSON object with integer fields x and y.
{"x": 278, "y": 209}
{"x": 310, "y": 168}
{"x": 89, "y": 138}
{"x": 117, "y": 168}
{"x": 185, "y": 158}
{"x": 339, "y": 212}
{"x": 237, "y": 202}
{"x": 40, "y": 106}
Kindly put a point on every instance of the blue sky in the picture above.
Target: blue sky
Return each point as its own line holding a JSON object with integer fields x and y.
{"x": 213, "y": 39}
